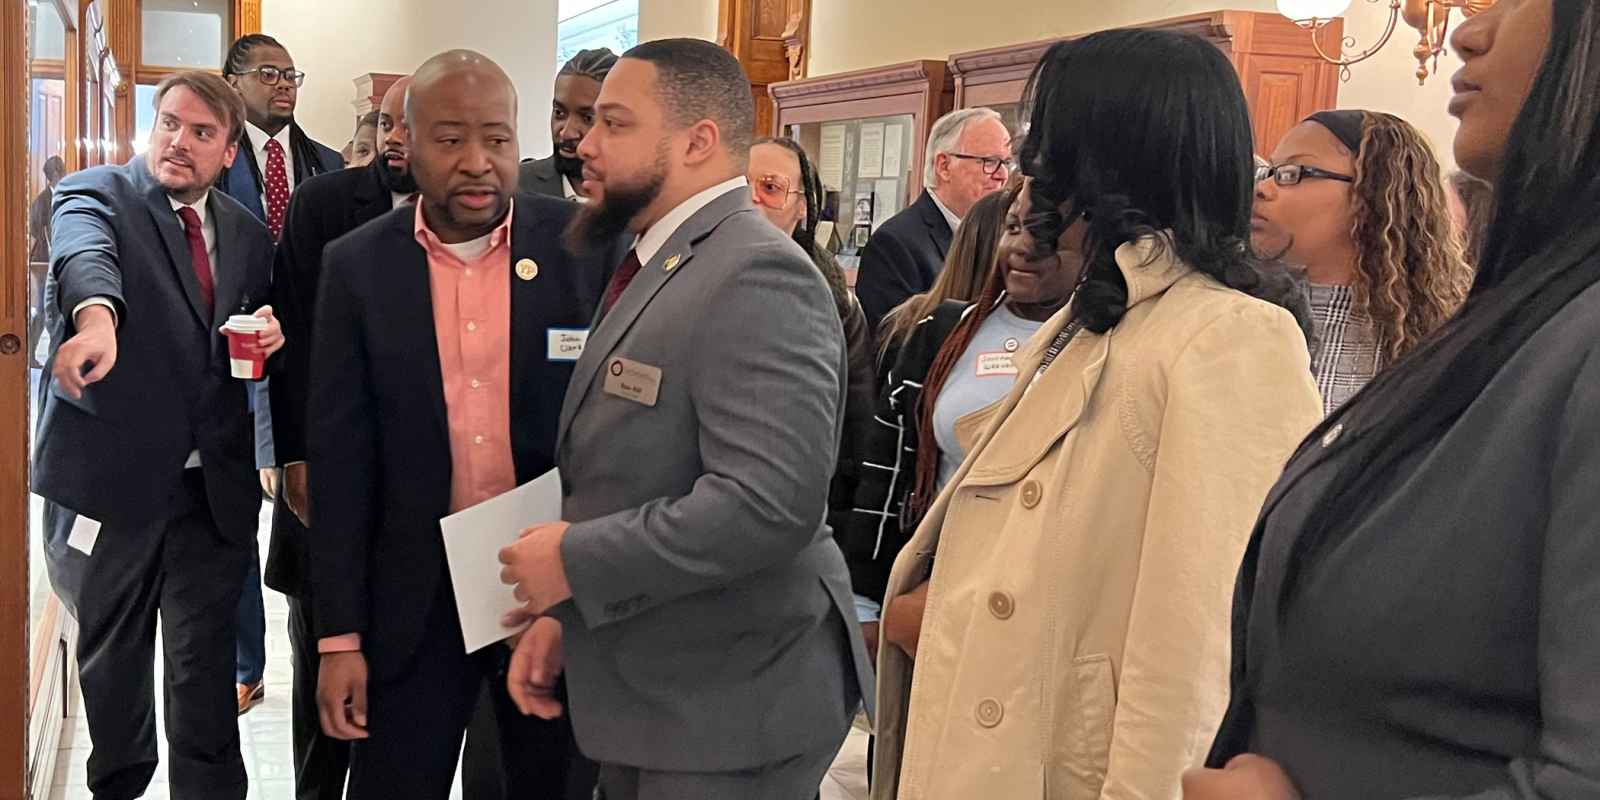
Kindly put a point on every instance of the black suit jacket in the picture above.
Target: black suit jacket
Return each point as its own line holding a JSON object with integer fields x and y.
{"x": 117, "y": 454}
{"x": 540, "y": 177}
{"x": 902, "y": 258}
{"x": 378, "y": 444}
{"x": 321, "y": 210}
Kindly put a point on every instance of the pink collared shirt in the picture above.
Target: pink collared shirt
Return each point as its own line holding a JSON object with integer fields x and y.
{"x": 471, "y": 288}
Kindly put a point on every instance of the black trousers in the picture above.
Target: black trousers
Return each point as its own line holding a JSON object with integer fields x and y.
{"x": 416, "y": 721}
{"x": 185, "y": 570}
{"x": 320, "y": 761}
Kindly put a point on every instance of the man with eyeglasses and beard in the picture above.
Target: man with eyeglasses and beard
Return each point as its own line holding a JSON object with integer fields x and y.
{"x": 324, "y": 208}
{"x": 571, "y": 116}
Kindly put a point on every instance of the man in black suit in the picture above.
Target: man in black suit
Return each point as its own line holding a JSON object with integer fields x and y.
{"x": 968, "y": 157}
{"x": 571, "y": 116}
{"x": 436, "y": 383}
{"x": 145, "y": 441}
{"x": 323, "y": 209}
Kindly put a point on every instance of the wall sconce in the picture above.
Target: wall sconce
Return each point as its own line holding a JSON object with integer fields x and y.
{"x": 1431, "y": 19}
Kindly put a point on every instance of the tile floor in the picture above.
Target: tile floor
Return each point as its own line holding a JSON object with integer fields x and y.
{"x": 264, "y": 733}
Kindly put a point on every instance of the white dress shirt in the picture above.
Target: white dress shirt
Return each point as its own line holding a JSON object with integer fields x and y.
{"x": 646, "y": 246}
{"x": 258, "y": 143}
{"x": 571, "y": 193}
{"x": 949, "y": 216}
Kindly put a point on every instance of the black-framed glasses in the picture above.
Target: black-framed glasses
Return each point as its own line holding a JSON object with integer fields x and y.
{"x": 1292, "y": 174}
{"x": 989, "y": 164}
{"x": 271, "y": 75}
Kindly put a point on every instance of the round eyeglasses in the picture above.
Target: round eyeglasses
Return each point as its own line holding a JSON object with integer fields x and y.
{"x": 772, "y": 191}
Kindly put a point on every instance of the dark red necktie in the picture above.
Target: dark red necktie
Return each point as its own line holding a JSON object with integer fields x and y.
{"x": 619, "y": 281}
{"x": 198, "y": 257}
{"x": 277, "y": 189}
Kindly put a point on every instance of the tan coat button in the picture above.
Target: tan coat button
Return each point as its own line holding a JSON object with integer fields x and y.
{"x": 990, "y": 712}
{"x": 1001, "y": 605}
{"x": 1032, "y": 493}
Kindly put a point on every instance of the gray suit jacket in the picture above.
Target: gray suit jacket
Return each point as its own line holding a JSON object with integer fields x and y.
{"x": 540, "y": 177}
{"x": 708, "y": 626}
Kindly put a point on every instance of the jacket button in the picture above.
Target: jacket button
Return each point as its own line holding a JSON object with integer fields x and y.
{"x": 1032, "y": 493}
{"x": 1001, "y": 605}
{"x": 990, "y": 712}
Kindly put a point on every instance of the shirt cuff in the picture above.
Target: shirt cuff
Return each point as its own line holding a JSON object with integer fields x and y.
{"x": 347, "y": 643}
{"x": 95, "y": 301}
{"x": 867, "y": 610}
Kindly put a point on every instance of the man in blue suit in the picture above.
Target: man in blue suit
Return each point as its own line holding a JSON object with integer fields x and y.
{"x": 144, "y": 442}
{"x": 275, "y": 157}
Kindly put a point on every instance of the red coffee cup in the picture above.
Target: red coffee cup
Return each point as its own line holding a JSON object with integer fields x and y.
{"x": 245, "y": 358}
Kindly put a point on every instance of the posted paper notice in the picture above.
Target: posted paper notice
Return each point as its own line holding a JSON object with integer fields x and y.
{"x": 472, "y": 541}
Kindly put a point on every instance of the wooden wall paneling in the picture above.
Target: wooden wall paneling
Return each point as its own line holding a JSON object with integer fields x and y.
{"x": 122, "y": 34}
{"x": 14, "y": 583}
{"x": 246, "y": 18}
{"x": 769, "y": 39}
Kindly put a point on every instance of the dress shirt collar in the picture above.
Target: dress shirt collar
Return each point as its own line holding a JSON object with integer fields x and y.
{"x": 199, "y": 206}
{"x": 949, "y": 216}
{"x": 436, "y": 249}
{"x": 569, "y": 192}
{"x": 259, "y": 139}
{"x": 647, "y": 245}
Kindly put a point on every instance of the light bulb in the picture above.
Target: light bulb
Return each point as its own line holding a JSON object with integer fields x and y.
{"x": 1312, "y": 9}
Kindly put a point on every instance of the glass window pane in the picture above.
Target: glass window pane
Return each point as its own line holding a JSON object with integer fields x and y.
{"x": 587, "y": 24}
{"x": 144, "y": 116}
{"x": 49, "y": 36}
{"x": 186, "y": 33}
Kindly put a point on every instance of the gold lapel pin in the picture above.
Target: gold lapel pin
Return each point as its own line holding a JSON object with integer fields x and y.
{"x": 672, "y": 263}
{"x": 527, "y": 269}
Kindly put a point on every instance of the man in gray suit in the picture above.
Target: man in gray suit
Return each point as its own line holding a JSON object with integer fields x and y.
{"x": 693, "y": 587}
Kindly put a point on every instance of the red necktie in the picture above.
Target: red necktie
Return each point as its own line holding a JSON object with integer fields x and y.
{"x": 277, "y": 189}
{"x": 619, "y": 281}
{"x": 198, "y": 257}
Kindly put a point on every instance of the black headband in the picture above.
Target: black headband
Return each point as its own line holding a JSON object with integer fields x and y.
{"x": 1344, "y": 125}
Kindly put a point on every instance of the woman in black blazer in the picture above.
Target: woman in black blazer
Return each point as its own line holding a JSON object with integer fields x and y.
{"x": 1418, "y": 614}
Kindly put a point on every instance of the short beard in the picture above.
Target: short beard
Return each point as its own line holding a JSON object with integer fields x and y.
{"x": 395, "y": 182}
{"x": 570, "y": 168}
{"x": 598, "y": 224}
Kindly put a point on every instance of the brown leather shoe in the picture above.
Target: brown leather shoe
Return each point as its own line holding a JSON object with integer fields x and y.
{"x": 250, "y": 696}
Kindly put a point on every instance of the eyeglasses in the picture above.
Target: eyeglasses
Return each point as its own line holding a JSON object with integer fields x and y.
{"x": 989, "y": 164}
{"x": 271, "y": 75}
{"x": 772, "y": 191}
{"x": 1292, "y": 174}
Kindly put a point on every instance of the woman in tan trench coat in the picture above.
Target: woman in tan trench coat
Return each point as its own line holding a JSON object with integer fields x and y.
{"x": 1061, "y": 617}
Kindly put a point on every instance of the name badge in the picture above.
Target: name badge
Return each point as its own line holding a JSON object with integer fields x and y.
{"x": 631, "y": 380}
{"x": 996, "y": 364}
{"x": 85, "y": 532}
{"x": 566, "y": 344}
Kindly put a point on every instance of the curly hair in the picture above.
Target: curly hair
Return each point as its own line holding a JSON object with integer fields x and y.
{"x": 1413, "y": 275}
{"x": 1145, "y": 135}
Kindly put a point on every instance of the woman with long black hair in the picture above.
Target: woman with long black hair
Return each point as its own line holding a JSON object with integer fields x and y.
{"x": 1063, "y": 604}
{"x": 1418, "y": 614}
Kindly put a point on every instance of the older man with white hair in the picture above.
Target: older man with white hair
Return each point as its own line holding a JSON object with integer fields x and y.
{"x": 968, "y": 157}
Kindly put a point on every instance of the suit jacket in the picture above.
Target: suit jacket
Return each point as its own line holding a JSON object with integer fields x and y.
{"x": 243, "y": 182}
{"x": 322, "y": 209}
{"x": 540, "y": 177}
{"x": 902, "y": 258}
{"x": 118, "y": 453}
{"x": 1446, "y": 644}
{"x": 376, "y": 436}
{"x": 707, "y": 629}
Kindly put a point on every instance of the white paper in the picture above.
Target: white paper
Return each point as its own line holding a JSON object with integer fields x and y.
{"x": 85, "y": 532}
{"x": 830, "y": 160}
{"x": 887, "y": 203}
{"x": 893, "y": 141}
{"x": 869, "y": 161}
{"x": 472, "y": 541}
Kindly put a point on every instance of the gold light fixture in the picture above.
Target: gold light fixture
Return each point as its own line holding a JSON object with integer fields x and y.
{"x": 1431, "y": 18}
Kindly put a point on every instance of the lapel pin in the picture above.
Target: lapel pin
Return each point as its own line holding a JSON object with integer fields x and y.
{"x": 672, "y": 262}
{"x": 527, "y": 269}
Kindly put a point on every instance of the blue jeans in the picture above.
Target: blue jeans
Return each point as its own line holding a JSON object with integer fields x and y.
{"x": 251, "y": 651}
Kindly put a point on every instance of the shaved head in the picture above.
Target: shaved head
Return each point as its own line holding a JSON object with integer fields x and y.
{"x": 461, "y": 116}
{"x": 394, "y": 140}
{"x": 466, "y": 68}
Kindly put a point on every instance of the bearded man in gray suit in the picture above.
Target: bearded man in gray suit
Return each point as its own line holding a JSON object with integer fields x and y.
{"x": 696, "y": 594}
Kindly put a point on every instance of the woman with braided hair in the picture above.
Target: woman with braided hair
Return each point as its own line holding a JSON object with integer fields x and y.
{"x": 1356, "y": 199}
{"x": 1064, "y": 602}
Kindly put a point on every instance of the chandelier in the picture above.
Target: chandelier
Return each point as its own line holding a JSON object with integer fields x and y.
{"x": 1431, "y": 18}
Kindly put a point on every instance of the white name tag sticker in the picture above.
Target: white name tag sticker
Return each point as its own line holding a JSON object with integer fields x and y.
{"x": 996, "y": 364}
{"x": 631, "y": 380}
{"x": 566, "y": 344}
{"x": 85, "y": 532}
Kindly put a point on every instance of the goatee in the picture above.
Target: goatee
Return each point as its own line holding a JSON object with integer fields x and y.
{"x": 601, "y": 222}
{"x": 570, "y": 168}
{"x": 394, "y": 180}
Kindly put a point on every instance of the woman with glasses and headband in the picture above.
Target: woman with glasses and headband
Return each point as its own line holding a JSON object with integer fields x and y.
{"x": 1356, "y": 200}
{"x": 788, "y": 190}
{"x": 1063, "y": 606}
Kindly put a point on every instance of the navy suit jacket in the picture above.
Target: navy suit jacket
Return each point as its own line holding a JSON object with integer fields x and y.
{"x": 377, "y": 439}
{"x": 243, "y": 182}
{"x": 902, "y": 258}
{"x": 117, "y": 454}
